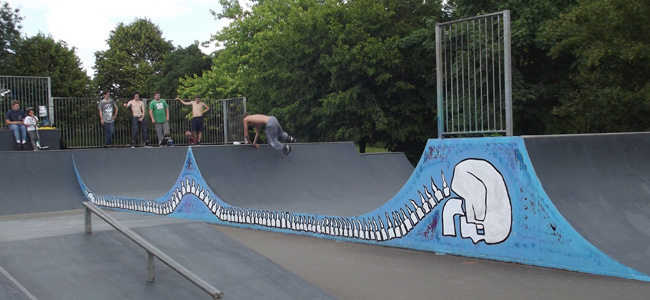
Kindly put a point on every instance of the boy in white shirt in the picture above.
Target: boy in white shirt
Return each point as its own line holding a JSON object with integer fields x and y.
{"x": 31, "y": 121}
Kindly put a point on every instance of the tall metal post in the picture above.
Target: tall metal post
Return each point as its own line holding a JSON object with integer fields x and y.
{"x": 507, "y": 71}
{"x": 225, "y": 121}
{"x": 50, "y": 101}
{"x": 441, "y": 119}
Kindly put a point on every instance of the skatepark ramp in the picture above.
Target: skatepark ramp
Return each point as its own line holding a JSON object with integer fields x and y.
{"x": 577, "y": 203}
{"x": 476, "y": 197}
{"x": 45, "y": 253}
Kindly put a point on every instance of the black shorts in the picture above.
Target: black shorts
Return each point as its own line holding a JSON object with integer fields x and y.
{"x": 197, "y": 124}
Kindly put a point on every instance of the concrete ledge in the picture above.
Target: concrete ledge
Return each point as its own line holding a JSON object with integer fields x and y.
{"x": 49, "y": 137}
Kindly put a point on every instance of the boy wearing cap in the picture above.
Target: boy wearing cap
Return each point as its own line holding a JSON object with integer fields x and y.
{"x": 31, "y": 121}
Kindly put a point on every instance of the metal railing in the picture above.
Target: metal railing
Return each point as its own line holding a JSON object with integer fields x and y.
{"x": 78, "y": 120}
{"x": 474, "y": 87}
{"x": 152, "y": 251}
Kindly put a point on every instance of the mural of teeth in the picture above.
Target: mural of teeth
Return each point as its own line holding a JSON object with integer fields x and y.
{"x": 397, "y": 223}
{"x": 390, "y": 230}
{"x": 477, "y": 201}
{"x": 418, "y": 209}
{"x": 431, "y": 202}
{"x": 346, "y": 228}
{"x": 436, "y": 191}
{"x": 424, "y": 203}
{"x": 445, "y": 189}
{"x": 406, "y": 221}
{"x": 414, "y": 219}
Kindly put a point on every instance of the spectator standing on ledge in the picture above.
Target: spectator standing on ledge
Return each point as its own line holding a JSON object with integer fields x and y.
{"x": 107, "y": 115}
{"x": 139, "y": 121}
{"x": 198, "y": 109}
{"x": 159, "y": 113}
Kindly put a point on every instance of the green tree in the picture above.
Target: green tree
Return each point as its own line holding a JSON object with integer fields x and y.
{"x": 609, "y": 46}
{"x": 333, "y": 70}
{"x": 181, "y": 63}
{"x": 229, "y": 64}
{"x": 136, "y": 52}
{"x": 9, "y": 36}
{"x": 42, "y": 56}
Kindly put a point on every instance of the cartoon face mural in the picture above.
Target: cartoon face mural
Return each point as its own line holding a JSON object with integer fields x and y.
{"x": 483, "y": 203}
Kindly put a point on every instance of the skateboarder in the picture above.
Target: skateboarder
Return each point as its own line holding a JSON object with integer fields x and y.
{"x": 198, "y": 109}
{"x": 273, "y": 132}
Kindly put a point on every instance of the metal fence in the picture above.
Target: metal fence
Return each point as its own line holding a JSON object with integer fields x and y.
{"x": 474, "y": 75}
{"x": 78, "y": 120}
{"x": 29, "y": 91}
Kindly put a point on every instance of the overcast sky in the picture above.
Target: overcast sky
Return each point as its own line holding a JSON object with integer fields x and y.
{"x": 86, "y": 25}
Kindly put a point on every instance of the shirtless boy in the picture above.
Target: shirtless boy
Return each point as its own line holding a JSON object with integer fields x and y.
{"x": 273, "y": 132}
{"x": 198, "y": 109}
{"x": 139, "y": 121}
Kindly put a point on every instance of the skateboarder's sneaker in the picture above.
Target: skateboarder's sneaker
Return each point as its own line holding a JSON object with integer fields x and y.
{"x": 132, "y": 145}
{"x": 291, "y": 139}
{"x": 147, "y": 145}
{"x": 286, "y": 150}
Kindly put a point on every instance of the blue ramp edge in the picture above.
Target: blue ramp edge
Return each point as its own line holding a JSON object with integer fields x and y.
{"x": 475, "y": 197}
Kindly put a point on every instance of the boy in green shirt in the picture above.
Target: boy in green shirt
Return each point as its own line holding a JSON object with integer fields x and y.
{"x": 159, "y": 113}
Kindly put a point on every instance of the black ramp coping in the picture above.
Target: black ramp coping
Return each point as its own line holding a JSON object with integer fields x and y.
{"x": 319, "y": 178}
{"x": 601, "y": 185}
{"x": 69, "y": 264}
{"x": 38, "y": 181}
{"x": 146, "y": 173}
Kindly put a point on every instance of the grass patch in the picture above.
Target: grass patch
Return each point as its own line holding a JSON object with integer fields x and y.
{"x": 373, "y": 148}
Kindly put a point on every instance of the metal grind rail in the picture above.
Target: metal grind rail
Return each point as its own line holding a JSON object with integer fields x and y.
{"x": 152, "y": 251}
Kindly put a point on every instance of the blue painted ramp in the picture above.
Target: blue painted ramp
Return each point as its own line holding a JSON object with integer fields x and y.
{"x": 476, "y": 197}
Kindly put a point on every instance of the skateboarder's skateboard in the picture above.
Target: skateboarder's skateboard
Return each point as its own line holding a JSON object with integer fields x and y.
{"x": 190, "y": 138}
{"x": 165, "y": 139}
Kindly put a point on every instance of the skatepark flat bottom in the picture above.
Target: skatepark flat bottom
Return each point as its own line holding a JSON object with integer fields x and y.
{"x": 52, "y": 257}
{"x": 351, "y": 271}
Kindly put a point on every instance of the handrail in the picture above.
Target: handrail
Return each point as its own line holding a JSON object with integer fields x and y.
{"x": 150, "y": 248}
{"x": 17, "y": 284}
